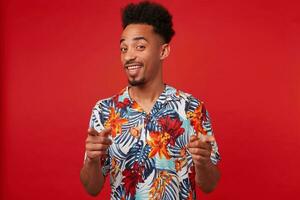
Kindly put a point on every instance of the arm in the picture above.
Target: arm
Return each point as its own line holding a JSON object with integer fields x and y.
{"x": 207, "y": 173}
{"x": 91, "y": 177}
{"x": 203, "y": 148}
{"x": 207, "y": 176}
{"x": 96, "y": 149}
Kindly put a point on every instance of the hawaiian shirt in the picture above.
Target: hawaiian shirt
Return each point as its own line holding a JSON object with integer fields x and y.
{"x": 148, "y": 158}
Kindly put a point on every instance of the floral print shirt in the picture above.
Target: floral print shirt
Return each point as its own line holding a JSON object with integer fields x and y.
{"x": 148, "y": 158}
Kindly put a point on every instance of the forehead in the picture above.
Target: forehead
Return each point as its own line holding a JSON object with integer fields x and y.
{"x": 133, "y": 31}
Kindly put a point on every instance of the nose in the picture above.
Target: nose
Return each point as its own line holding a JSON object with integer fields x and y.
{"x": 129, "y": 55}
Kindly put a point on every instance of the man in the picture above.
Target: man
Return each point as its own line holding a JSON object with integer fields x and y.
{"x": 155, "y": 141}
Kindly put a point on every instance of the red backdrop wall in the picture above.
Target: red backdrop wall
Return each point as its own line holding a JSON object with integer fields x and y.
{"x": 240, "y": 57}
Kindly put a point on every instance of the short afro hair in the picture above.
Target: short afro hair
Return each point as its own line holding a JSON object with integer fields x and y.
{"x": 152, "y": 14}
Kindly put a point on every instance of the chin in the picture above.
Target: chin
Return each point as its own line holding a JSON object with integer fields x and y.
{"x": 137, "y": 82}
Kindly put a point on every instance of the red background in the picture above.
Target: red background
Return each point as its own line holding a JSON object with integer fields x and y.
{"x": 240, "y": 57}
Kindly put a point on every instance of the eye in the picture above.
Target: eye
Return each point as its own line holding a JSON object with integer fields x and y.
{"x": 140, "y": 47}
{"x": 123, "y": 49}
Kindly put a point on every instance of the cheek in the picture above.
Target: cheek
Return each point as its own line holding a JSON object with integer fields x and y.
{"x": 152, "y": 58}
{"x": 122, "y": 58}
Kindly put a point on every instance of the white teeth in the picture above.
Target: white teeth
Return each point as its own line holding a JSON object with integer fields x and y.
{"x": 134, "y": 67}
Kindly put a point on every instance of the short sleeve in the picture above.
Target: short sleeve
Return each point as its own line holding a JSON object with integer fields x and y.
{"x": 215, "y": 156}
{"x": 95, "y": 120}
{"x": 95, "y": 123}
{"x": 200, "y": 121}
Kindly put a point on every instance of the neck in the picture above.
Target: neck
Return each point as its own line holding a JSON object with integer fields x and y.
{"x": 148, "y": 92}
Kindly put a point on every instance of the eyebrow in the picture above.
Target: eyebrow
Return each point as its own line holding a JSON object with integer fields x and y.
{"x": 135, "y": 39}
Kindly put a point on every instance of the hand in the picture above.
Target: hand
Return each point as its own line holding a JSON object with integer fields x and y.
{"x": 200, "y": 149}
{"x": 96, "y": 144}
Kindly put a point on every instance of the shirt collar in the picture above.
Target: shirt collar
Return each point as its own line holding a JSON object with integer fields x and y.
{"x": 165, "y": 95}
{"x": 168, "y": 94}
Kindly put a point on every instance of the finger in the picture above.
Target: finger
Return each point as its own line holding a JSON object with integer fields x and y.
{"x": 200, "y": 144}
{"x": 207, "y": 138}
{"x": 93, "y": 154}
{"x": 97, "y": 153}
{"x": 201, "y": 152}
{"x": 199, "y": 160}
{"x": 193, "y": 138}
{"x": 195, "y": 143}
{"x": 92, "y": 132}
{"x": 96, "y": 147}
{"x": 103, "y": 140}
{"x": 98, "y": 140}
{"x": 105, "y": 132}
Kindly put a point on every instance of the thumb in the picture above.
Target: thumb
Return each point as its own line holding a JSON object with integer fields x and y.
{"x": 193, "y": 138}
{"x": 207, "y": 138}
{"x": 105, "y": 132}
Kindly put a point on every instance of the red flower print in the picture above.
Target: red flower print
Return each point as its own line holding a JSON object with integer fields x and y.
{"x": 132, "y": 177}
{"x": 123, "y": 104}
{"x": 172, "y": 127}
{"x": 171, "y": 130}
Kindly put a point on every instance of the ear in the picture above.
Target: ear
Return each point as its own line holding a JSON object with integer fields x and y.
{"x": 165, "y": 51}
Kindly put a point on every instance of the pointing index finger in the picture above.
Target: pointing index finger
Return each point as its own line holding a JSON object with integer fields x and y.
{"x": 193, "y": 138}
{"x": 207, "y": 138}
{"x": 106, "y": 132}
{"x": 92, "y": 132}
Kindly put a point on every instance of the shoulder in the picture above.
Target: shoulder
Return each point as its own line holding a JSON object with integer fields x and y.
{"x": 110, "y": 101}
{"x": 190, "y": 100}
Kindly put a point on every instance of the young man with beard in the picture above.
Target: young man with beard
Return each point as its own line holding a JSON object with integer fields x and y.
{"x": 153, "y": 140}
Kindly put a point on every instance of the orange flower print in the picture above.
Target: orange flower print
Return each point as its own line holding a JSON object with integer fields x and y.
{"x": 115, "y": 122}
{"x": 171, "y": 130}
{"x": 190, "y": 197}
{"x": 179, "y": 163}
{"x": 159, "y": 185}
{"x": 135, "y": 132}
{"x": 115, "y": 168}
{"x": 197, "y": 117}
{"x": 136, "y": 106}
{"x": 177, "y": 93}
{"x": 158, "y": 144}
{"x": 183, "y": 152}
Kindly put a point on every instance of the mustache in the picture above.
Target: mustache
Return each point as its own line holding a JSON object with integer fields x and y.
{"x": 130, "y": 63}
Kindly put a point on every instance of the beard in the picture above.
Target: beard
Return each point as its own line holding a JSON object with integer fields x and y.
{"x": 135, "y": 82}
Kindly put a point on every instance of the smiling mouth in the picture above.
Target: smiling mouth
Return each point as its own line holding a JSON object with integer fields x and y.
{"x": 132, "y": 67}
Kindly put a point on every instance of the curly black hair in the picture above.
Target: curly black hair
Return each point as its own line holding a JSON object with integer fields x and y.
{"x": 150, "y": 13}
